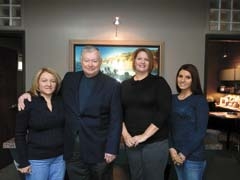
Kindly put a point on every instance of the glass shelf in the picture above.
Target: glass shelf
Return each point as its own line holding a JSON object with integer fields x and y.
{"x": 213, "y": 15}
{"x": 236, "y": 4}
{"x": 225, "y": 4}
{"x": 235, "y": 26}
{"x": 10, "y": 13}
{"x": 4, "y": 11}
{"x": 213, "y": 26}
{"x": 214, "y": 4}
{"x": 236, "y": 16}
{"x": 224, "y": 15}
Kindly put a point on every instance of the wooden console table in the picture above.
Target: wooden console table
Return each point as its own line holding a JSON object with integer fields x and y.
{"x": 230, "y": 118}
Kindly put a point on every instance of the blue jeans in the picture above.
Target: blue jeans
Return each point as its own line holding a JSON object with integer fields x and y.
{"x": 148, "y": 161}
{"x": 191, "y": 170}
{"x": 47, "y": 169}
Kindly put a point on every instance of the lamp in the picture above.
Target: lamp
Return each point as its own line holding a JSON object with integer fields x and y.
{"x": 225, "y": 51}
{"x": 116, "y": 22}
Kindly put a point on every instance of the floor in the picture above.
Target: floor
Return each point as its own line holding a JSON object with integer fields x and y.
{"x": 222, "y": 164}
{"x": 10, "y": 173}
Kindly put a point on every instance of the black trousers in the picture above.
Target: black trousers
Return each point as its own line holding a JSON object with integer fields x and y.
{"x": 148, "y": 161}
{"x": 78, "y": 170}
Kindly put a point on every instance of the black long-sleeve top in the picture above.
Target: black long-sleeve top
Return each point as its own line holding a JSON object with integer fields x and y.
{"x": 144, "y": 102}
{"x": 39, "y": 131}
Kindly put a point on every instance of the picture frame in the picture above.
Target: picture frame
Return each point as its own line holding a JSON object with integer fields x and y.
{"x": 116, "y": 56}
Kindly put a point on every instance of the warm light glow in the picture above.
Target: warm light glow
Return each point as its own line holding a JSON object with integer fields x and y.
{"x": 20, "y": 67}
{"x": 20, "y": 63}
{"x": 225, "y": 56}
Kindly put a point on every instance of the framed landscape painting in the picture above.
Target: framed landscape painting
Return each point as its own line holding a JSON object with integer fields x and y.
{"x": 116, "y": 56}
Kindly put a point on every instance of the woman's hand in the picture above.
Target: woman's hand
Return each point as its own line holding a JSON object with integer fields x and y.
{"x": 21, "y": 99}
{"x": 139, "y": 139}
{"x": 177, "y": 158}
{"x": 25, "y": 170}
{"x": 129, "y": 141}
{"x": 182, "y": 156}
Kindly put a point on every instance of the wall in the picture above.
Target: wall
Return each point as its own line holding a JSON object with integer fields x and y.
{"x": 50, "y": 24}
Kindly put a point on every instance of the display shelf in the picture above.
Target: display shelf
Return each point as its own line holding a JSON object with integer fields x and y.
{"x": 10, "y": 13}
{"x": 224, "y": 15}
{"x": 236, "y": 26}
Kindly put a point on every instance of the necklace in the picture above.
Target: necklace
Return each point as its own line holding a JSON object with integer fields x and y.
{"x": 140, "y": 77}
{"x": 184, "y": 96}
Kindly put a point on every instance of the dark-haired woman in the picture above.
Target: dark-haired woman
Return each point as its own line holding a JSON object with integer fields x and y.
{"x": 188, "y": 125}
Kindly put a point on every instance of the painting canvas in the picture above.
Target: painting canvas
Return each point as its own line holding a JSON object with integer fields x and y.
{"x": 117, "y": 61}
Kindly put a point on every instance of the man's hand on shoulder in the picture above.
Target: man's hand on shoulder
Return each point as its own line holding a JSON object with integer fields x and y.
{"x": 21, "y": 105}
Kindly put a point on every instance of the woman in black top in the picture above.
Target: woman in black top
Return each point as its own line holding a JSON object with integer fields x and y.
{"x": 40, "y": 130}
{"x": 146, "y": 103}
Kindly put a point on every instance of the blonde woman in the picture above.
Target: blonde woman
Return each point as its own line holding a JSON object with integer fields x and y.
{"x": 42, "y": 122}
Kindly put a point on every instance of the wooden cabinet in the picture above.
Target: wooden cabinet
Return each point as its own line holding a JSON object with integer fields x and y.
{"x": 10, "y": 12}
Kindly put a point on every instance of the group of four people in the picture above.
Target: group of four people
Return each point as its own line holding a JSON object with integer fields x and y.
{"x": 81, "y": 123}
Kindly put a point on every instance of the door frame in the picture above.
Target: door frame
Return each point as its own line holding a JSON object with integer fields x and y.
{"x": 221, "y": 38}
{"x": 15, "y": 39}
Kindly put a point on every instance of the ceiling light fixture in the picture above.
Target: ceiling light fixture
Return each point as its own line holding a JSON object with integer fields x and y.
{"x": 116, "y": 22}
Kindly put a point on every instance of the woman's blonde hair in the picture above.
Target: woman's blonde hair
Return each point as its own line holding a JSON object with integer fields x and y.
{"x": 34, "y": 90}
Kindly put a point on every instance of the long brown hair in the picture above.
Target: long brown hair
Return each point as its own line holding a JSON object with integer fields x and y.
{"x": 196, "y": 85}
